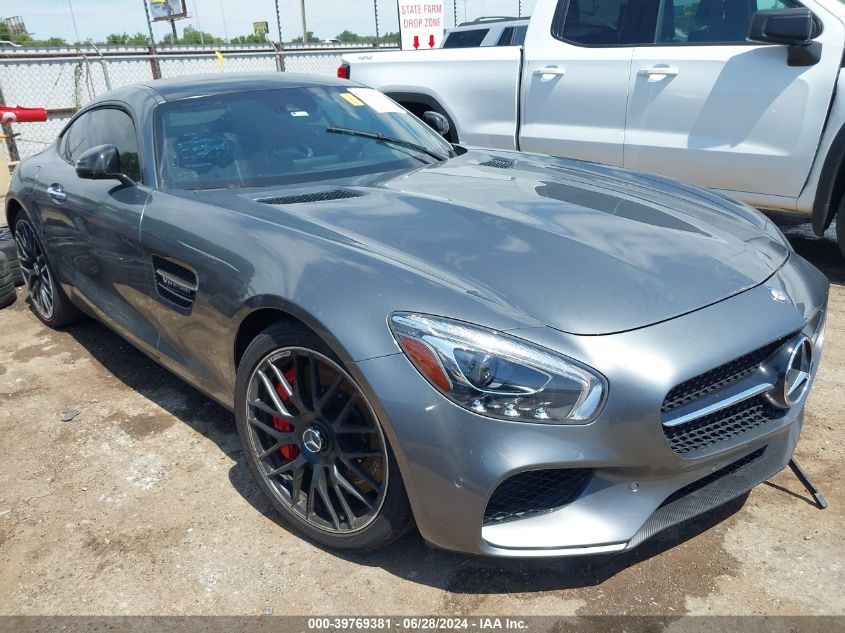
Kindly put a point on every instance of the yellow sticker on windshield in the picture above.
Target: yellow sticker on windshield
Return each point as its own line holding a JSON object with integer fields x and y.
{"x": 351, "y": 98}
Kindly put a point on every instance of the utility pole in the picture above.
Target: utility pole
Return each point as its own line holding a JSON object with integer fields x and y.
{"x": 375, "y": 10}
{"x": 455, "y": 11}
{"x": 304, "y": 27}
{"x": 173, "y": 28}
{"x": 281, "y": 56}
{"x": 154, "y": 61}
{"x": 73, "y": 19}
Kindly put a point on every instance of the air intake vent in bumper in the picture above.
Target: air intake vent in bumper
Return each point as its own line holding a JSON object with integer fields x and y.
{"x": 535, "y": 492}
{"x": 317, "y": 196}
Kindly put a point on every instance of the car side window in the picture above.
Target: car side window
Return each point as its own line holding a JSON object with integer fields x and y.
{"x": 519, "y": 35}
{"x": 465, "y": 39}
{"x": 506, "y": 37}
{"x": 77, "y": 139}
{"x": 100, "y": 127}
{"x": 711, "y": 21}
{"x": 606, "y": 22}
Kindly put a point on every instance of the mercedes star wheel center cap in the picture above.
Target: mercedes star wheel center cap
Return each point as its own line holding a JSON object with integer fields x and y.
{"x": 312, "y": 439}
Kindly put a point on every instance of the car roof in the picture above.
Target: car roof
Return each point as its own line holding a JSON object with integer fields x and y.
{"x": 222, "y": 83}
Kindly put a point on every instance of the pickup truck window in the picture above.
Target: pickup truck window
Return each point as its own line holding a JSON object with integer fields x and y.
{"x": 711, "y": 21}
{"x": 661, "y": 22}
{"x": 465, "y": 39}
{"x": 606, "y": 23}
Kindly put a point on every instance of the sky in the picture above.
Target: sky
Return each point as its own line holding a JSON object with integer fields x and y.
{"x": 228, "y": 18}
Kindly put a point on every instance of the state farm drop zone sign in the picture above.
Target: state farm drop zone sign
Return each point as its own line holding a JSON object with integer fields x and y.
{"x": 421, "y": 24}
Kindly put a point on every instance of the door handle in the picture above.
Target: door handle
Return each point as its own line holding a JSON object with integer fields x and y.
{"x": 550, "y": 71}
{"x": 57, "y": 192}
{"x": 658, "y": 73}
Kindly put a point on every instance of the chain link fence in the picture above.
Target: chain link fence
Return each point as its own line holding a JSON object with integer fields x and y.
{"x": 63, "y": 80}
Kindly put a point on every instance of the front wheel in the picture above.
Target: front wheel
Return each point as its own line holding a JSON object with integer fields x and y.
{"x": 315, "y": 445}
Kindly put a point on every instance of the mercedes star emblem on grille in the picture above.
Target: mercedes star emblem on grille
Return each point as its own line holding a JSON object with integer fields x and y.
{"x": 792, "y": 366}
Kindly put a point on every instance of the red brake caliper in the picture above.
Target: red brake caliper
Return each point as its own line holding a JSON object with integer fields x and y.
{"x": 291, "y": 451}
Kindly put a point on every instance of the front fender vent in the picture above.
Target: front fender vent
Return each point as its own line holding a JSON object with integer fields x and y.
{"x": 317, "y": 196}
{"x": 497, "y": 163}
{"x": 176, "y": 284}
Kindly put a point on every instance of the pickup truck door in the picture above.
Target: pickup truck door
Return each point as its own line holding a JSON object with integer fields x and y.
{"x": 708, "y": 107}
{"x": 575, "y": 79}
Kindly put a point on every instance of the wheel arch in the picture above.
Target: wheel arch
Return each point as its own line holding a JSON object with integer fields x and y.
{"x": 263, "y": 311}
{"x": 830, "y": 191}
{"x": 418, "y": 103}
{"x": 13, "y": 209}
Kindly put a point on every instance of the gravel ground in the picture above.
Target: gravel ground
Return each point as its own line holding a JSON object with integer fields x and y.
{"x": 142, "y": 504}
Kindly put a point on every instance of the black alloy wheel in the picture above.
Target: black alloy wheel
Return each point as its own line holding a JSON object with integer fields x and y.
{"x": 47, "y": 299}
{"x": 315, "y": 444}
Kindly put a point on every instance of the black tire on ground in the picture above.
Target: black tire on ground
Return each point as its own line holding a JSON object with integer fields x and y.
{"x": 393, "y": 518}
{"x": 7, "y": 286}
{"x": 47, "y": 299}
{"x": 9, "y": 249}
{"x": 840, "y": 231}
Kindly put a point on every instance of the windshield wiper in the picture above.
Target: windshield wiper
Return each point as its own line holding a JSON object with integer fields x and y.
{"x": 378, "y": 136}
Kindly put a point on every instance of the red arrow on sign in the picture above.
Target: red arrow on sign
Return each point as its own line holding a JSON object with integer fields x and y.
{"x": 416, "y": 41}
{"x": 431, "y": 41}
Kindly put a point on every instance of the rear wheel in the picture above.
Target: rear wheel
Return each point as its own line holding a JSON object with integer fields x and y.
{"x": 315, "y": 445}
{"x": 840, "y": 231}
{"x": 47, "y": 298}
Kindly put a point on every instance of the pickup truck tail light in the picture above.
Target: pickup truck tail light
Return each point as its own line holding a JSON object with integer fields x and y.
{"x": 343, "y": 71}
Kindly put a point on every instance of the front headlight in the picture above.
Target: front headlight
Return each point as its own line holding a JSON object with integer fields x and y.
{"x": 497, "y": 375}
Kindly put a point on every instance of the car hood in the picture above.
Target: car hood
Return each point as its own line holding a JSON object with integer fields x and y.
{"x": 583, "y": 248}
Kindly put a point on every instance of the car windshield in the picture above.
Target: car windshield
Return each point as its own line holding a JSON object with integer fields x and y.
{"x": 288, "y": 135}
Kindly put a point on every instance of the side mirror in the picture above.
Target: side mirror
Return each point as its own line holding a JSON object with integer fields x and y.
{"x": 793, "y": 27}
{"x": 101, "y": 163}
{"x": 437, "y": 122}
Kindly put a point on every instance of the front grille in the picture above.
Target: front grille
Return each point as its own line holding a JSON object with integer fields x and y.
{"x": 712, "y": 477}
{"x": 535, "y": 492}
{"x": 498, "y": 163}
{"x": 319, "y": 196}
{"x": 720, "y": 426}
{"x": 719, "y": 378}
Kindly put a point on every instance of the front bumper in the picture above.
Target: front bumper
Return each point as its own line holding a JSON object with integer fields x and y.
{"x": 452, "y": 460}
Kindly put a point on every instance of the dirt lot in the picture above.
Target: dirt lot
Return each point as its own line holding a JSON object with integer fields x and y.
{"x": 143, "y": 504}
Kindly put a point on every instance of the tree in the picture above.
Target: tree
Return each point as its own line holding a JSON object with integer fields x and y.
{"x": 124, "y": 39}
{"x": 311, "y": 38}
{"x": 252, "y": 38}
{"x": 26, "y": 39}
{"x": 192, "y": 36}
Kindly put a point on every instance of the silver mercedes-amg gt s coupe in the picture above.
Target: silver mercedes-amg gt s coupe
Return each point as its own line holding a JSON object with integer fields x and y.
{"x": 522, "y": 355}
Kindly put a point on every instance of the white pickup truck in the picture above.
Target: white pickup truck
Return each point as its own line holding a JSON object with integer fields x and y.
{"x": 743, "y": 96}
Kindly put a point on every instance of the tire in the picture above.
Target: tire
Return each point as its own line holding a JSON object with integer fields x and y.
{"x": 47, "y": 299}
{"x": 326, "y": 463}
{"x": 840, "y": 232}
{"x": 9, "y": 249}
{"x": 7, "y": 286}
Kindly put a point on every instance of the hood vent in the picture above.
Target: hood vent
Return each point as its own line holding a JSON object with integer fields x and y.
{"x": 498, "y": 163}
{"x": 317, "y": 196}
